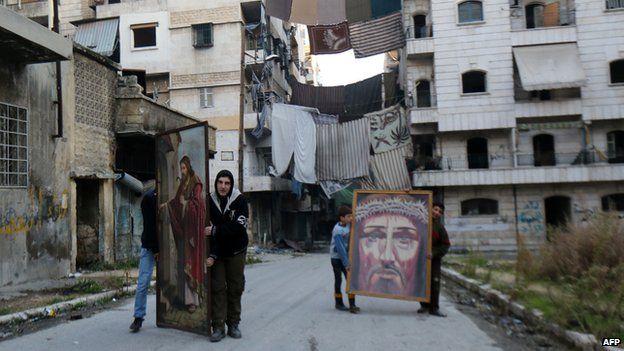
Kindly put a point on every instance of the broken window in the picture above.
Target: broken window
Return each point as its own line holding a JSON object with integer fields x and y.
{"x": 473, "y": 82}
{"x": 13, "y": 146}
{"x": 479, "y": 207}
{"x": 616, "y": 69}
{"x": 613, "y": 202}
{"x": 477, "y": 153}
{"x": 615, "y": 4}
{"x": 205, "y": 98}
{"x": 534, "y": 16}
{"x": 423, "y": 93}
{"x": 144, "y": 35}
{"x": 470, "y": 11}
{"x": 544, "y": 150}
{"x": 615, "y": 146}
{"x": 202, "y": 35}
{"x": 420, "y": 26}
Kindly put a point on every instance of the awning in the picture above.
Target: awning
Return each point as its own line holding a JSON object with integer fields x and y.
{"x": 99, "y": 36}
{"x": 547, "y": 67}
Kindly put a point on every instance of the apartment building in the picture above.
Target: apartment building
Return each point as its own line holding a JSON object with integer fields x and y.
{"x": 517, "y": 113}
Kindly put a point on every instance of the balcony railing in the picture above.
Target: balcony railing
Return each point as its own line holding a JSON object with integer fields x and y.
{"x": 419, "y": 32}
{"x": 499, "y": 161}
{"x": 562, "y": 159}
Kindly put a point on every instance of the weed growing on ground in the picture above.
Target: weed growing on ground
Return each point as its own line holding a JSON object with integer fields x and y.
{"x": 252, "y": 260}
{"x": 87, "y": 286}
{"x": 99, "y": 266}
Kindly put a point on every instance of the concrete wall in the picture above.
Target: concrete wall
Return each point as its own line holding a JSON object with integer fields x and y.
{"x": 482, "y": 46}
{"x": 600, "y": 41}
{"x": 152, "y": 59}
{"x": 35, "y": 230}
{"x": 498, "y": 232}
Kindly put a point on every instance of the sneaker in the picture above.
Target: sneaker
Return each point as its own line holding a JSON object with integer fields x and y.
{"x": 423, "y": 310}
{"x": 136, "y": 324}
{"x": 354, "y": 309}
{"x": 234, "y": 332}
{"x": 341, "y": 307}
{"x": 437, "y": 313}
{"x": 217, "y": 335}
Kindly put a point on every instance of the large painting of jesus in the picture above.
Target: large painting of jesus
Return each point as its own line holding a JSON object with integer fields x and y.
{"x": 389, "y": 244}
{"x": 182, "y": 170}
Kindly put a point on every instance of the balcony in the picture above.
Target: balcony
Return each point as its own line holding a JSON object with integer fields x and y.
{"x": 537, "y": 24}
{"x": 568, "y": 168}
{"x": 258, "y": 179}
{"x": 419, "y": 41}
{"x": 423, "y": 115}
{"x": 569, "y": 107}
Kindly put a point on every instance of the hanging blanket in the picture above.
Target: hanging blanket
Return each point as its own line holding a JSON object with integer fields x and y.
{"x": 389, "y": 170}
{"x": 358, "y": 10}
{"x": 286, "y": 120}
{"x": 311, "y": 12}
{"x": 377, "y": 36}
{"x": 380, "y": 8}
{"x": 389, "y": 129}
{"x": 305, "y": 146}
{"x": 342, "y": 150}
{"x": 328, "y": 100}
{"x": 361, "y": 98}
{"x": 329, "y": 39}
{"x": 279, "y": 8}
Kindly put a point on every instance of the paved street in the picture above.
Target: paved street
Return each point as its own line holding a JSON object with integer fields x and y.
{"x": 288, "y": 305}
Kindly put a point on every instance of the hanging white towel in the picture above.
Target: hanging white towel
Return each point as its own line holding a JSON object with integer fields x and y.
{"x": 305, "y": 146}
{"x": 282, "y": 137}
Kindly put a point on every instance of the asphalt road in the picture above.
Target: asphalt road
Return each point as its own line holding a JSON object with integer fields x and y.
{"x": 288, "y": 305}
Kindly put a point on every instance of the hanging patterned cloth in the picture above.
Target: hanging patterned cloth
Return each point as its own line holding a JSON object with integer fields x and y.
{"x": 389, "y": 129}
{"x": 329, "y": 39}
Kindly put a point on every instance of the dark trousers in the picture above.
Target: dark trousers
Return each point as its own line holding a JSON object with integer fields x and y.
{"x": 228, "y": 283}
{"x": 436, "y": 273}
{"x": 339, "y": 270}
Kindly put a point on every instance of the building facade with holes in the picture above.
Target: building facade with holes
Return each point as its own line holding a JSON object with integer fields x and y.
{"x": 517, "y": 113}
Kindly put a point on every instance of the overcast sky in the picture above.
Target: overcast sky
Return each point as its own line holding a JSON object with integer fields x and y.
{"x": 344, "y": 68}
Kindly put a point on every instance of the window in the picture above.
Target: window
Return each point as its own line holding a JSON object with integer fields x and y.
{"x": 616, "y": 69}
{"x": 202, "y": 35}
{"x": 205, "y": 98}
{"x": 477, "y": 153}
{"x": 615, "y": 146}
{"x": 13, "y": 146}
{"x": 423, "y": 93}
{"x": 534, "y": 15}
{"x": 478, "y": 207}
{"x": 615, "y": 4}
{"x": 613, "y": 202}
{"x": 473, "y": 82}
{"x": 544, "y": 150}
{"x": 420, "y": 26}
{"x": 470, "y": 11}
{"x": 144, "y": 35}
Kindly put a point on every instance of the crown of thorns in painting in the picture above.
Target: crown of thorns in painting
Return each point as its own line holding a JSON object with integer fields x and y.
{"x": 390, "y": 245}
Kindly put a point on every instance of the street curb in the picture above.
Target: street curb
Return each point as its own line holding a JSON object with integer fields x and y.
{"x": 533, "y": 317}
{"x": 53, "y": 310}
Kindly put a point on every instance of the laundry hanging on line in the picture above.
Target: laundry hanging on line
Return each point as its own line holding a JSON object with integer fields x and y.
{"x": 343, "y": 150}
{"x": 329, "y": 100}
{"x": 329, "y": 39}
{"x": 314, "y": 12}
{"x": 377, "y": 36}
{"x": 389, "y": 170}
{"x": 389, "y": 129}
{"x": 361, "y": 98}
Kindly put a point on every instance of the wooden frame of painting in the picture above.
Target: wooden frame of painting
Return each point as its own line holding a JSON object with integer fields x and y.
{"x": 183, "y": 289}
{"x": 390, "y": 241}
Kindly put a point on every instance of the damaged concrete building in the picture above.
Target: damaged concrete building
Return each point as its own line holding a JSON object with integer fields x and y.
{"x": 517, "y": 113}
{"x": 73, "y": 131}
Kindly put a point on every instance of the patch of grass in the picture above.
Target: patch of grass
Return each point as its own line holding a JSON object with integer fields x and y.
{"x": 474, "y": 260}
{"x": 87, "y": 286}
{"x": 252, "y": 260}
{"x": 4, "y": 310}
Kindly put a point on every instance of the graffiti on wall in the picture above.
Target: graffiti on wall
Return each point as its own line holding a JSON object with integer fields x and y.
{"x": 531, "y": 218}
{"x": 42, "y": 207}
{"x": 584, "y": 214}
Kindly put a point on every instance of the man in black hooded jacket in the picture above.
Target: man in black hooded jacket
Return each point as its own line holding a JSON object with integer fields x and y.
{"x": 228, "y": 248}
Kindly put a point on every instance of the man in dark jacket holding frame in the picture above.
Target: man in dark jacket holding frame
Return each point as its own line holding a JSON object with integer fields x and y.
{"x": 228, "y": 247}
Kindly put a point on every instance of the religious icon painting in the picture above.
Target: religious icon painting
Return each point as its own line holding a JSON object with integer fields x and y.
{"x": 183, "y": 294}
{"x": 389, "y": 244}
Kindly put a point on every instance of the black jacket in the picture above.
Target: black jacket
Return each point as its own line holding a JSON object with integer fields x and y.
{"x": 229, "y": 216}
{"x": 148, "y": 209}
